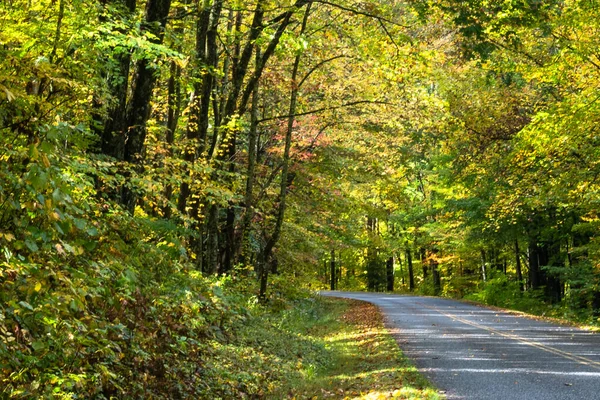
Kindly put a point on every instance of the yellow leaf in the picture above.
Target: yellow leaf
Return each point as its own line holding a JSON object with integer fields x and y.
{"x": 8, "y": 236}
{"x": 38, "y": 287}
{"x": 45, "y": 161}
{"x": 9, "y": 95}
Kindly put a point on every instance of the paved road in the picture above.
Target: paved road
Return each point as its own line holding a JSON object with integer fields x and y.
{"x": 477, "y": 353}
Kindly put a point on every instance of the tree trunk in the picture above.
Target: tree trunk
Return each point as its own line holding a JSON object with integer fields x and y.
{"x": 483, "y": 268}
{"x": 138, "y": 108}
{"x": 264, "y": 277}
{"x": 206, "y": 64}
{"x": 553, "y": 288}
{"x": 333, "y": 270}
{"x": 173, "y": 113}
{"x": 112, "y": 135}
{"x": 423, "y": 257}
{"x": 435, "y": 274}
{"x": 535, "y": 273}
{"x": 411, "y": 276}
{"x": 239, "y": 72}
{"x": 578, "y": 255}
{"x": 401, "y": 264}
{"x": 250, "y": 172}
{"x": 518, "y": 265}
{"x": 389, "y": 269}
{"x": 285, "y": 181}
{"x": 212, "y": 239}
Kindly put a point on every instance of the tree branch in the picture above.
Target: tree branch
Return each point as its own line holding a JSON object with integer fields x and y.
{"x": 313, "y": 69}
{"x": 360, "y": 12}
{"x": 319, "y": 110}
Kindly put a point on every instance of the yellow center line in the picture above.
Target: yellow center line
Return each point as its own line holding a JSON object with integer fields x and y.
{"x": 549, "y": 349}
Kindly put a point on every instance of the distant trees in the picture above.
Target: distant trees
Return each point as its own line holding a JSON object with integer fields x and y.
{"x": 488, "y": 174}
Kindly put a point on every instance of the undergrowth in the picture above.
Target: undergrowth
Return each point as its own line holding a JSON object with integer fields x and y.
{"x": 358, "y": 358}
{"x": 499, "y": 291}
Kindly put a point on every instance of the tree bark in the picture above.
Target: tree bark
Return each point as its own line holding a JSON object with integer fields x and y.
{"x": 553, "y": 287}
{"x": 212, "y": 236}
{"x": 112, "y": 133}
{"x": 411, "y": 276}
{"x": 435, "y": 274}
{"x": 483, "y": 266}
{"x": 535, "y": 273}
{"x": 518, "y": 265}
{"x": 333, "y": 271}
{"x": 389, "y": 269}
{"x": 250, "y": 171}
{"x": 285, "y": 182}
{"x": 206, "y": 64}
{"x": 138, "y": 108}
{"x": 239, "y": 72}
{"x": 173, "y": 114}
{"x": 423, "y": 257}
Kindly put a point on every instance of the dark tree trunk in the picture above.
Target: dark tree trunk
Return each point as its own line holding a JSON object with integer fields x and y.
{"x": 333, "y": 271}
{"x": 229, "y": 242}
{"x": 338, "y": 275}
{"x": 535, "y": 274}
{"x": 596, "y": 303}
{"x": 250, "y": 172}
{"x": 578, "y": 255}
{"x": 518, "y": 265}
{"x": 112, "y": 141}
{"x": 389, "y": 269}
{"x": 401, "y": 264}
{"x": 483, "y": 266}
{"x": 286, "y": 177}
{"x": 138, "y": 108}
{"x": 423, "y": 257}
{"x": 411, "y": 276}
{"x": 240, "y": 69}
{"x": 197, "y": 130}
{"x": 376, "y": 275}
{"x": 542, "y": 256}
{"x": 212, "y": 233}
{"x": 112, "y": 133}
{"x": 173, "y": 113}
{"x": 496, "y": 264}
{"x": 239, "y": 95}
{"x": 553, "y": 288}
{"x": 435, "y": 274}
{"x": 264, "y": 277}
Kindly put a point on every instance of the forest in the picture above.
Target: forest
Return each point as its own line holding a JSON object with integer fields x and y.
{"x": 174, "y": 171}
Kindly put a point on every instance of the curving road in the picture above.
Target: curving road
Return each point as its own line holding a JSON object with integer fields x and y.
{"x": 473, "y": 352}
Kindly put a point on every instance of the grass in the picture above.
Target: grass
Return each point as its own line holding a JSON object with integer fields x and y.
{"x": 357, "y": 357}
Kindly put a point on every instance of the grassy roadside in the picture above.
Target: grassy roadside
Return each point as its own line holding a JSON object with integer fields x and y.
{"x": 357, "y": 359}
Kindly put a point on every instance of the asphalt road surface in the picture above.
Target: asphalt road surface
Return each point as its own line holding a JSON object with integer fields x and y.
{"x": 473, "y": 352}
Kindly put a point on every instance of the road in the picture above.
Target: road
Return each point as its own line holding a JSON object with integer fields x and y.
{"x": 473, "y": 352}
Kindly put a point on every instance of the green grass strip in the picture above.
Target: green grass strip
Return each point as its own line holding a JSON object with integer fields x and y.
{"x": 358, "y": 357}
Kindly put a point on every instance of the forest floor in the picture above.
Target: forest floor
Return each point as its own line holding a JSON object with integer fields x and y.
{"x": 364, "y": 360}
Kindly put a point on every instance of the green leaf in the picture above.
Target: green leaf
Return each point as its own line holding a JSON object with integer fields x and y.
{"x": 26, "y": 305}
{"x": 37, "y": 345}
{"x": 31, "y": 245}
